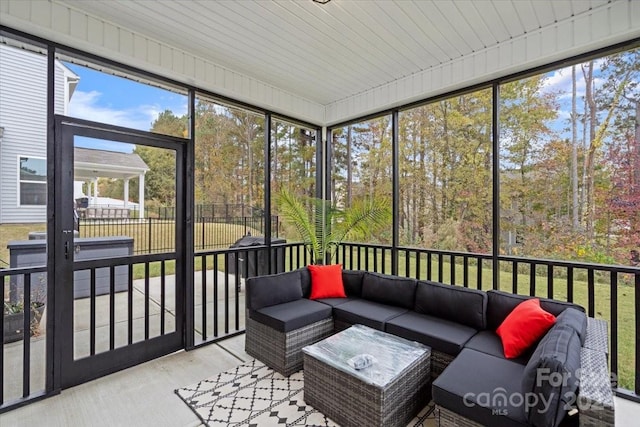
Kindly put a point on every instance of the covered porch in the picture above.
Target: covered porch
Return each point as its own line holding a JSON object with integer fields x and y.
{"x": 434, "y": 107}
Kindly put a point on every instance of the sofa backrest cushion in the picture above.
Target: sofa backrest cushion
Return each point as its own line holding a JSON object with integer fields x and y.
{"x": 305, "y": 281}
{"x": 450, "y": 302}
{"x": 265, "y": 291}
{"x": 387, "y": 289}
{"x": 550, "y": 379}
{"x": 500, "y": 304}
{"x": 352, "y": 280}
{"x": 575, "y": 319}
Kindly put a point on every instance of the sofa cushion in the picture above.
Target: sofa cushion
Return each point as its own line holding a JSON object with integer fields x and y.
{"x": 500, "y": 304}
{"x": 265, "y": 291}
{"x": 352, "y": 280}
{"x": 439, "y": 334}
{"x": 574, "y": 319}
{"x": 326, "y": 281}
{"x": 368, "y": 313}
{"x": 305, "y": 279}
{"x": 478, "y": 386}
{"x": 523, "y": 327}
{"x": 387, "y": 289}
{"x": 455, "y": 303}
{"x": 333, "y": 302}
{"x": 489, "y": 342}
{"x": 292, "y": 315}
{"x": 553, "y": 372}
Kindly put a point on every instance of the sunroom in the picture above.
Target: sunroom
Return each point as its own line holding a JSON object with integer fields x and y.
{"x": 503, "y": 135}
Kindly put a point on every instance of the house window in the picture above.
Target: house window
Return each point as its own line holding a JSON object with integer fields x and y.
{"x": 33, "y": 181}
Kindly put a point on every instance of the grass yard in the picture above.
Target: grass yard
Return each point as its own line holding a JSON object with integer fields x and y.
{"x": 10, "y": 232}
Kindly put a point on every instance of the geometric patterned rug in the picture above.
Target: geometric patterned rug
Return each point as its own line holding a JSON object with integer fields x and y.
{"x": 253, "y": 395}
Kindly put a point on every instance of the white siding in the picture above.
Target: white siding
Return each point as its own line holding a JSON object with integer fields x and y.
{"x": 60, "y": 89}
{"x": 23, "y": 114}
{"x": 23, "y": 104}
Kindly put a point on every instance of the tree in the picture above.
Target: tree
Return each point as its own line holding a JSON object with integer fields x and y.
{"x": 217, "y": 157}
{"x": 160, "y": 180}
{"x": 615, "y": 85}
{"x": 575, "y": 223}
{"x": 526, "y": 114}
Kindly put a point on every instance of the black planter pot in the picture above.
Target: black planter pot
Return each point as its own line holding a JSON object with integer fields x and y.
{"x": 14, "y": 324}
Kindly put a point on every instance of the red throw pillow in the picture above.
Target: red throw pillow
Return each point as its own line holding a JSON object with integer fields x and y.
{"x": 525, "y": 325}
{"x": 326, "y": 281}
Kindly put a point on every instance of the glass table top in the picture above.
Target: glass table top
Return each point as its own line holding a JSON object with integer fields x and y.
{"x": 373, "y": 356}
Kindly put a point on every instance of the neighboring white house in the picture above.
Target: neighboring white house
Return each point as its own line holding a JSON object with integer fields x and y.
{"x": 91, "y": 164}
{"x": 23, "y": 140}
{"x": 23, "y": 123}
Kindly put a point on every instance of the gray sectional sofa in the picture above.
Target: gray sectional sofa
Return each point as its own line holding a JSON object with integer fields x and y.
{"x": 561, "y": 380}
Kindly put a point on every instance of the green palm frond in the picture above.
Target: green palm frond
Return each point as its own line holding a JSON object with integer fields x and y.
{"x": 293, "y": 210}
{"x": 323, "y": 227}
{"x": 362, "y": 219}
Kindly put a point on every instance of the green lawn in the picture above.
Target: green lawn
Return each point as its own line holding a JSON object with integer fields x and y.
{"x": 10, "y": 232}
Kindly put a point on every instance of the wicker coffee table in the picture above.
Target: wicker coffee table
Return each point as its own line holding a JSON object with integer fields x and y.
{"x": 389, "y": 392}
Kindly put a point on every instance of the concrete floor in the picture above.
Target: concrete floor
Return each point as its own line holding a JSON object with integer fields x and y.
{"x": 139, "y": 396}
{"x": 144, "y": 395}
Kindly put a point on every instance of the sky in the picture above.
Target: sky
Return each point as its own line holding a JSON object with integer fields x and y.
{"x": 105, "y": 98}
{"x": 114, "y": 100}
{"x": 560, "y": 82}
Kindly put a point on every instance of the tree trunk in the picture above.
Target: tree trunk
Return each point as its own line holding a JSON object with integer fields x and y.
{"x": 574, "y": 153}
{"x": 349, "y": 166}
{"x": 588, "y": 178}
{"x": 635, "y": 159}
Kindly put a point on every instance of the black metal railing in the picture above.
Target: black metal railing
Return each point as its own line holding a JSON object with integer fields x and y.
{"x": 115, "y": 303}
{"x": 219, "y": 305}
{"x": 16, "y": 370}
{"x": 607, "y": 292}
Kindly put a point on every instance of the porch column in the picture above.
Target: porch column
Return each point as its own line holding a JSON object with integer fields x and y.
{"x": 141, "y": 196}
{"x": 126, "y": 193}
{"x": 95, "y": 191}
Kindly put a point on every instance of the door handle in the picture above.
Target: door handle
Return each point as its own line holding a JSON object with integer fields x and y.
{"x": 66, "y": 250}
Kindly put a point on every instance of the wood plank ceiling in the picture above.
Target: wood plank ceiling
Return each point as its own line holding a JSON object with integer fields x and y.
{"x": 330, "y": 52}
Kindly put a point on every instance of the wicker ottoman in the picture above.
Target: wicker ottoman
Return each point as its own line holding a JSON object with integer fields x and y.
{"x": 389, "y": 392}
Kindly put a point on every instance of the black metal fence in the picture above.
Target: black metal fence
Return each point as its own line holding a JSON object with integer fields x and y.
{"x": 153, "y": 235}
{"x": 210, "y": 210}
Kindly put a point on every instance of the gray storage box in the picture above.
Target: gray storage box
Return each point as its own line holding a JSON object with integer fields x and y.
{"x": 33, "y": 253}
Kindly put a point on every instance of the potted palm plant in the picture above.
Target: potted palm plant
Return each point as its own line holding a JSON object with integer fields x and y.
{"x": 323, "y": 226}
